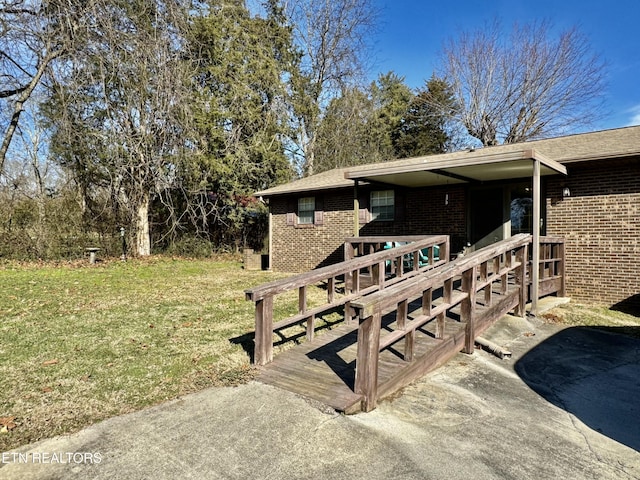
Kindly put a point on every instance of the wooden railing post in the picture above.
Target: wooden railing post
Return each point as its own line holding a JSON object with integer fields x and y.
{"x": 488, "y": 290}
{"x": 331, "y": 289}
{"x": 399, "y": 270}
{"x": 348, "y": 313}
{"x": 349, "y": 254}
{"x": 264, "y": 331}
{"x": 562, "y": 270}
{"x": 445, "y": 250}
{"x": 302, "y": 308}
{"x": 366, "y": 382}
{"x": 447, "y": 295}
{"x": 349, "y": 251}
{"x": 377, "y": 274}
{"x": 521, "y": 280}
{"x": 409, "y": 339}
{"x": 468, "y": 308}
{"x": 504, "y": 282}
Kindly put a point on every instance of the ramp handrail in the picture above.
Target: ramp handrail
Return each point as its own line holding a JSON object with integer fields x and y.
{"x": 477, "y": 272}
{"x": 348, "y": 271}
{"x": 552, "y": 266}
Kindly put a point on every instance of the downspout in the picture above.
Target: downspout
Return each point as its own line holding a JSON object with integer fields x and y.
{"x": 270, "y": 239}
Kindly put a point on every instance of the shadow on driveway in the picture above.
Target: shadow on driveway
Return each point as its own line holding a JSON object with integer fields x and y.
{"x": 592, "y": 373}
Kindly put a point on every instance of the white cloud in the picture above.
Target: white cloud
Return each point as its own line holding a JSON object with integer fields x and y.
{"x": 634, "y": 113}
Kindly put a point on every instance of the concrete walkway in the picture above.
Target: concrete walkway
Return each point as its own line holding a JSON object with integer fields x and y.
{"x": 565, "y": 406}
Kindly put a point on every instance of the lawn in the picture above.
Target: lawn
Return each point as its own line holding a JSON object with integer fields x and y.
{"x": 81, "y": 343}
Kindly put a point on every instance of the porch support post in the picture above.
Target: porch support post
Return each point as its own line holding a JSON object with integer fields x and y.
{"x": 356, "y": 210}
{"x": 535, "y": 262}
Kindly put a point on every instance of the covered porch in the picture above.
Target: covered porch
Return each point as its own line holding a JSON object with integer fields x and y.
{"x": 503, "y": 198}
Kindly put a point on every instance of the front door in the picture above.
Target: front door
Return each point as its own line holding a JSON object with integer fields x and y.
{"x": 497, "y": 212}
{"x": 521, "y": 202}
{"x": 487, "y": 216}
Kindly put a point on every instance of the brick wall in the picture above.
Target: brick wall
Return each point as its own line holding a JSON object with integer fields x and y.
{"x": 299, "y": 248}
{"x": 600, "y": 222}
{"x": 304, "y": 247}
{"x": 428, "y": 211}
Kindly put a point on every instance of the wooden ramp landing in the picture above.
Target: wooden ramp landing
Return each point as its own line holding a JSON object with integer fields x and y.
{"x": 324, "y": 369}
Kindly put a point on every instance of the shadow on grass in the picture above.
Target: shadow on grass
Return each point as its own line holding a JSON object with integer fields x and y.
{"x": 248, "y": 344}
{"x": 324, "y": 322}
{"x": 594, "y": 374}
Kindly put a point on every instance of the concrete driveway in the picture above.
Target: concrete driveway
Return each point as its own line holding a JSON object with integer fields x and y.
{"x": 565, "y": 406}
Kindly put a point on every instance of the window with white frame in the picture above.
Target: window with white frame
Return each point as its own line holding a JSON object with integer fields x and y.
{"x": 306, "y": 209}
{"x": 382, "y": 205}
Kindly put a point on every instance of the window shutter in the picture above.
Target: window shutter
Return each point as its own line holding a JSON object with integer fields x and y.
{"x": 363, "y": 213}
{"x": 318, "y": 214}
{"x": 400, "y": 205}
{"x": 291, "y": 212}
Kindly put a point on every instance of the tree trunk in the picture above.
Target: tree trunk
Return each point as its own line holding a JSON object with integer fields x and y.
{"x": 309, "y": 155}
{"x": 143, "y": 240}
{"x": 18, "y": 107}
{"x": 40, "y": 200}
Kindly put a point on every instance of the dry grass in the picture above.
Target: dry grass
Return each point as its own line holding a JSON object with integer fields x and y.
{"x": 81, "y": 343}
{"x": 575, "y": 314}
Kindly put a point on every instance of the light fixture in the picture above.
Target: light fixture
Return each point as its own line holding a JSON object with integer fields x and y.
{"x": 446, "y": 199}
{"x": 566, "y": 192}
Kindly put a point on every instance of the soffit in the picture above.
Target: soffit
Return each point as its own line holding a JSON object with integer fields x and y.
{"x": 473, "y": 169}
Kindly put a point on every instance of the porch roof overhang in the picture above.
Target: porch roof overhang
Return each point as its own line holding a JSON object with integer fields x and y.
{"x": 474, "y": 168}
{"x": 478, "y": 167}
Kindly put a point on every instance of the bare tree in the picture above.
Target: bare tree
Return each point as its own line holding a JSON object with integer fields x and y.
{"x": 28, "y": 183}
{"x": 119, "y": 111}
{"x": 525, "y": 86}
{"x": 332, "y": 36}
{"x": 33, "y": 35}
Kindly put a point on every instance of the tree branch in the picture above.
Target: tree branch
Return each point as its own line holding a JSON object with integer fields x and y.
{"x": 11, "y": 93}
{"x": 19, "y": 105}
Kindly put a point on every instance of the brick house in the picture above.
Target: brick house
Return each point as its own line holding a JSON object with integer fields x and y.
{"x": 588, "y": 185}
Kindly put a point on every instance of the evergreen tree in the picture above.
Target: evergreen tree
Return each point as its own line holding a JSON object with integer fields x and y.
{"x": 240, "y": 109}
{"x": 392, "y": 98}
{"x": 424, "y": 128}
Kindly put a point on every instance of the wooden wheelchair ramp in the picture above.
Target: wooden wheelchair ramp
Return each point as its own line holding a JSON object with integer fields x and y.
{"x": 404, "y": 331}
{"x": 324, "y": 370}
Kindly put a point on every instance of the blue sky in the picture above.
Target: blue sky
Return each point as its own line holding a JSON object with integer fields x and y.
{"x": 412, "y": 32}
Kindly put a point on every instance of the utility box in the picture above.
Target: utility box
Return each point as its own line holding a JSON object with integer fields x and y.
{"x": 252, "y": 260}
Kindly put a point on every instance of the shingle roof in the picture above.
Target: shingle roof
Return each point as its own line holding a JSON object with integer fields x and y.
{"x": 620, "y": 142}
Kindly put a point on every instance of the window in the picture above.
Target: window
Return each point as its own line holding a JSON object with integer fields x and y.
{"x": 382, "y": 205}
{"x": 306, "y": 209}
{"x": 521, "y": 215}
